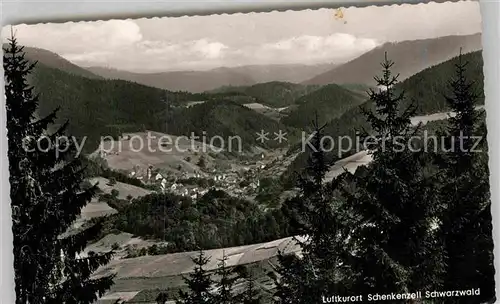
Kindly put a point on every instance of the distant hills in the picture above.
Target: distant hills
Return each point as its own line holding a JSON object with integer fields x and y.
{"x": 199, "y": 81}
{"x": 294, "y": 73}
{"x": 192, "y": 81}
{"x": 223, "y": 118}
{"x": 275, "y": 94}
{"x": 426, "y": 89}
{"x": 52, "y": 60}
{"x": 325, "y": 103}
{"x": 410, "y": 57}
{"x": 99, "y": 107}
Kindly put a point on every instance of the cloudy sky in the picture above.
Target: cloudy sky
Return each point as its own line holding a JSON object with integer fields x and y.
{"x": 203, "y": 42}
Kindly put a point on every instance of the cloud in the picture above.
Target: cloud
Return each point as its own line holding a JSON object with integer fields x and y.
{"x": 82, "y": 37}
{"x": 207, "y": 53}
{"x": 173, "y": 56}
{"x": 211, "y": 50}
{"x": 199, "y": 48}
{"x": 157, "y": 47}
{"x": 96, "y": 57}
{"x": 334, "y": 47}
{"x": 201, "y": 42}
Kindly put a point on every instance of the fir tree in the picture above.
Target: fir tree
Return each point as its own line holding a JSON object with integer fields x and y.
{"x": 162, "y": 298}
{"x": 466, "y": 222}
{"x": 315, "y": 214}
{"x": 394, "y": 203}
{"x": 293, "y": 279}
{"x": 251, "y": 295}
{"x": 46, "y": 198}
{"x": 198, "y": 282}
{"x": 225, "y": 283}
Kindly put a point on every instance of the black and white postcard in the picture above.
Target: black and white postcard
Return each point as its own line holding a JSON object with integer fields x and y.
{"x": 334, "y": 155}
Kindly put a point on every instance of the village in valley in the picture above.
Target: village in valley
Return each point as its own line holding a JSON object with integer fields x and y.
{"x": 196, "y": 142}
{"x": 190, "y": 173}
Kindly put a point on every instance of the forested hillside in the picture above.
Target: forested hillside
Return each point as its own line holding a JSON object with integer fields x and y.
{"x": 410, "y": 57}
{"x": 101, "y": 107}
{"x": 278, "y": 94}
{"x": 215, "y": 220}
{"x": 328, "y": 102}
{"x": 426, "y": 89}
{"x": 193, "y": 81}
{"x": 274, "y": 94}
{"x": 429, "y": 86}
{"x": 222, "y": 118}
{"x": 53, "y": 60}
{"x": 199, "y": 81}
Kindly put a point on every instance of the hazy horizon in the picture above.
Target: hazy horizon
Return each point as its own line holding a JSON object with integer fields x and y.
{"x": 196, "y": 43}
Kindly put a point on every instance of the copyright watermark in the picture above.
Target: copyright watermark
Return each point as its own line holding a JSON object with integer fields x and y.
{"x": 416, "y": 143}
{"x": 154, "y": 142}
{"x": 58, "y": 144}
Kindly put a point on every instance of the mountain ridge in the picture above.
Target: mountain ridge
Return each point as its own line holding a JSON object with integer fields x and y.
{"x": 427, "y": 89}
{"x": 56, "y": 61}
{"x": 410, "y": 57}
{"x": 200, "y": 81}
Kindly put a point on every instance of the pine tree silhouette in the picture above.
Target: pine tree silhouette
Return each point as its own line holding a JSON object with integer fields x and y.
{"x": 319, "y": 270}
{"x": 251, "y": 294}
{"x": 162, "y": 298}
{"x": 46, "y": 198}
{"x": 198, "y": 282}
{"x": 225, "y": 283}
{"x": 466, "y": 221}
{"x": 394, "y": 203}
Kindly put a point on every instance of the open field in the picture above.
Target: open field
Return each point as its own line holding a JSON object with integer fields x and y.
{"x": 350, "y": 164}
{"x": 180, "y": 263}
{"x": 161, "y": 150}
{"x": 164, "y": 272}
{"x": 97, "y": 208}
{"x": 435, "y": 116}
{"x": 274, "y": 113}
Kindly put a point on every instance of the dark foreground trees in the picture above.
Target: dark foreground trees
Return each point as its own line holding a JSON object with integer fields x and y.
{"x": 251, "y": 293}
{"x": 199, "y": 284}
{"x": 225, "y": 283}
{"x": 46, "y": 196}
{"x": 395, "y": 204}
{"x": 408, "y": 221}
{"x": 466, "y": 221}
{"x": 370, "y": 232}
{"x": 219, "y": 286}
{"x": 321, "y": 268}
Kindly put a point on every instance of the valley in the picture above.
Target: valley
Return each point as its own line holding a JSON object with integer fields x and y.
{"x": 181, "y": 160}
